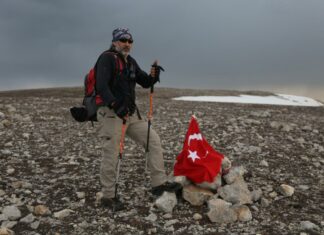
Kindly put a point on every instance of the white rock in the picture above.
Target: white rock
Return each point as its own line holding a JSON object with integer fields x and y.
{"x": 286, "y": 190}
{"x": 166, "y": 202}
{"x": 12, "y": 212}
{"x": 3, "y": 217}
{"x": 264, "y": 163}
{"x": 99, "y": 195}
{"x": 256, "y": 195}
{"x": 80, "y": 195}
{"x": 9, "y": 224}
{"x": 226, "y": 164}
{"x": 10, "y": 171}
{"x": 63, "y": 213}
{"x": 27, "y": 219}
{"x": 35, "y": 225}
{"x": 151, "y": 217}
{"x": 197, "y": 216}
{"x": 171, "y": 222}
{"x": 2, "y": 193}
{"x": 308, "y": 226}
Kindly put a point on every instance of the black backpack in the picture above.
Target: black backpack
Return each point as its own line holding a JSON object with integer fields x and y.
{"x": 88, "y": 110}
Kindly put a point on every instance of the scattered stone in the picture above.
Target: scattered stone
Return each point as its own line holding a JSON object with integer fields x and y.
{"x": 3, "y": 217}
{"x": 273, "y": 194}
{"x": 10, "y": 171}
{"x": 41, "y": 210}
{"x": 243, "y": 213}
{"x": 171, "y": 222}
{"x": 151, "y": 217}
{"x": 264, "y": 202}
{"x": 264, "y": 163}
{"x": 6, "y": 231}
{"x": 27, "y": 219}
{"x": 9, "y": 224}
{"x": 256, "y": 195}
{"x": 166, "y": 202}
{"x": 197, "y": 216}
{"x": 195, "y": 195}
{"x": 286, "y": 190}
{"x": 35, "y": 225}
{"x": 11, "y": 212}
{"x": 99, "y": 195}
{"x": 226, "y": 164}
{"x": 2, "y": 193}
{"x": 63, "y": 213}
{"x": 80, "y": 195}
{"x": 308, "y": 226}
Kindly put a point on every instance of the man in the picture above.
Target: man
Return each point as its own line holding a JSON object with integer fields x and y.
{"x": 116, "y": 76}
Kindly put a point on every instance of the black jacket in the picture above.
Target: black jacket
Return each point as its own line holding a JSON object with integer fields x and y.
{"x": 119, "y": 87}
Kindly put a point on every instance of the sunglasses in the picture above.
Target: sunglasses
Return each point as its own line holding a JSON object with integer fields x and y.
{"x": 124, "y": 40}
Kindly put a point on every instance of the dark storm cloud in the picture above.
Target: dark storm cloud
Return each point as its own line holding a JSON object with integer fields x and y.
{"x": 213, "y": 44}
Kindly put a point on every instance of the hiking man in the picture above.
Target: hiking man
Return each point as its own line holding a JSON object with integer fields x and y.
{"x": 116, "y": 76}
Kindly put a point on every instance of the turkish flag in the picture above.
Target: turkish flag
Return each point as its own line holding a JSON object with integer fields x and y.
{"x": 198, "y": 161}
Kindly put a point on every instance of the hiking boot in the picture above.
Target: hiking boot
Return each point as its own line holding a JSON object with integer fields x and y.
{"x": 112, "y": 203}
{"x": 166, "y": 187}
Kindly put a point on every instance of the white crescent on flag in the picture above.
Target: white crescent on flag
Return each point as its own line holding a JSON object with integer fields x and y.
{"x": 197, "y": 136}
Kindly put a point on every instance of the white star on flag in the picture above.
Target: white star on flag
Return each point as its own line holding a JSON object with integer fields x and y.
{"x": 193, "y": 155}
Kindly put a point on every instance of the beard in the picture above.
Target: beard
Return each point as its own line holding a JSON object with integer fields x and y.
{"x": 123, "y": 50}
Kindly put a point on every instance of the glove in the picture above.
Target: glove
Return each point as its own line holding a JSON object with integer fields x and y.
{"x": 120, "y": 109}
{"x": 155, "y": 72}
{"x": 154, "y": 79}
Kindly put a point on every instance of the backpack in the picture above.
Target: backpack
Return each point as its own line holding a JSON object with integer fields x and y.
{"x": 91, "y": 100}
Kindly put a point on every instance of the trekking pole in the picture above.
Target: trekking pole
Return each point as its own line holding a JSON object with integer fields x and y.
{"x": 150, "y": 114}
{"x": 120, "y": 155}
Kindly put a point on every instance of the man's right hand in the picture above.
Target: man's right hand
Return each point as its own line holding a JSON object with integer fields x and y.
{"x": 120, "y": 109}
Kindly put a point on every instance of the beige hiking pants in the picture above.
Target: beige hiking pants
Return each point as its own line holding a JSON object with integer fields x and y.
{"x": 110, "y": 127}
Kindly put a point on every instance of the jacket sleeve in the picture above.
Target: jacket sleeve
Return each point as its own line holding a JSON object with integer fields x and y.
{"x": 104, "y": 75}
{"x": 142, "y": 78}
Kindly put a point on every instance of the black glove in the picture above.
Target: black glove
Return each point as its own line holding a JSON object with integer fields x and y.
{"x": 154, "y": 80}
{"x": 121, "y": 110}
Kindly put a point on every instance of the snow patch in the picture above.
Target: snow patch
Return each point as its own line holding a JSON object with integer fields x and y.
{"x": 277, "y": 99}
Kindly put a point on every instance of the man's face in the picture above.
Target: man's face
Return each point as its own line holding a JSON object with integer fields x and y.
{"x": 124, "y": 46}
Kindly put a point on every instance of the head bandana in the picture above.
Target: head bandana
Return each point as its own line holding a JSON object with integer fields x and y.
{"x": 120, "y": 33}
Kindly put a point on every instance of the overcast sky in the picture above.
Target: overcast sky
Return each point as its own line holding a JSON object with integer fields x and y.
{"x": 219, "y": 44}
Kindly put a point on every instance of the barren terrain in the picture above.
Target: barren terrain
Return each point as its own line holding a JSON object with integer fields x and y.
{"x": 46, "y": 158}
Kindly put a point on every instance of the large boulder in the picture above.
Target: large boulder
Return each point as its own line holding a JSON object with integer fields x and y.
{"x": 213, "y": 185}
{"x": 220, "y": 211}
{"x": 236, "y": 193}
{"x": 234, "y": 174}
{"x": 195, "y": 195}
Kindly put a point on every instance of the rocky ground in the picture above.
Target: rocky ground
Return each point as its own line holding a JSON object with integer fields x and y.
{"x": 49, "y": 166}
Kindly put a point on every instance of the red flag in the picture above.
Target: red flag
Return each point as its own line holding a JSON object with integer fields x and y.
{"x": 198, "y": 161}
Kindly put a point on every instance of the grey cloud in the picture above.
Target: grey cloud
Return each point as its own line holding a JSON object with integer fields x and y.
{"x": 200, "y": 44}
